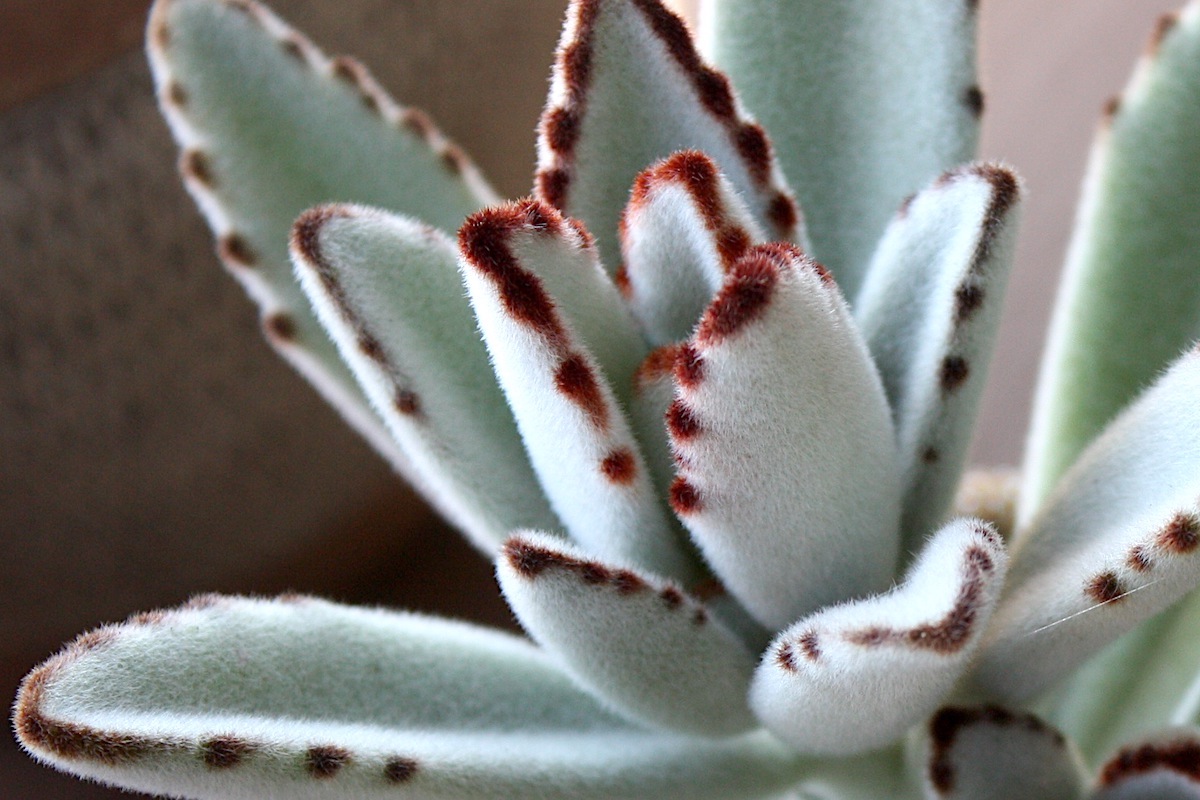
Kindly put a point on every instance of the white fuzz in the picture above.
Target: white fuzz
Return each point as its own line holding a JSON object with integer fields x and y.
{"x": 855, "y": 676}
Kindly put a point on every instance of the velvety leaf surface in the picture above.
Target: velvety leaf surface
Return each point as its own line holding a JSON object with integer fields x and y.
{"x": 992, "y": 753}
{"x": 636, "y": 641}
{"x": 787, "y": 462}
{"x": 388, "y": 291}
{"x": 628, "y": 90}
{"x": 855, "y": 676}
{"x": 268, "y": 127}
{"x": 684, "y": 227}
{"x": 867, "y": 102}
{"x": 560, "y": 341}
{"x": 233, "y": 698}
{"x": 1114, "y": 545}
{"x": 1130, "y": 301}
{"x": 929, "y": 310}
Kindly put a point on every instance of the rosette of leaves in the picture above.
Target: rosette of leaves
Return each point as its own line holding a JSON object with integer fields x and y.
{"x": 711, "y": 442}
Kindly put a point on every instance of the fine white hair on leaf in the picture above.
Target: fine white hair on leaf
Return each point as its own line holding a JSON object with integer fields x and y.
{"x": 388, "y": 291}
{"x": 855, "y": 676}
{"x": 269, "y": 126}
{"x": 929, "y": 310}
{"x": 238, "y": 699}
{"x": 628, "y": 89}
{"x": 786, "y": 458}
{"x": 682, "y": 230}
{"x": 561, "y": 344}
{"x": 634, "y": 640}
{"x": 853, "y": 139}
{"x": 1117, "y": 542}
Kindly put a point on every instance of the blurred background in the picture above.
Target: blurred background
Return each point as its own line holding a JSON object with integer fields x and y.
{"x": 152, "y": 447}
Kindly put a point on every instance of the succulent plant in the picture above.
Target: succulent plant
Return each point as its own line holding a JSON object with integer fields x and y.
{"x": 712, "y": 444}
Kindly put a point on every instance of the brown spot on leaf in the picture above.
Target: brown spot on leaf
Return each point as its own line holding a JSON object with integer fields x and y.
{"x": 745, "y": 295}
{"x": 627, "y": 582}
{"x": 561, "y": 128}
{"x": 222, "y": 752}
{"x": 576, "y": 380}
{"x": 682, "y": 423}
{"x": 1105, "y": 588}
{"x": 280, "y": 327}
{"x": 454, "y": 159}
{"x": 1138, "y": 559}
{"x": 688, "y": 368}
{"x": 175, "y": 94}
{"x": 953, "y": 372}
{"x": 1112, "y": 107}
{"x": 400, "y": 769}
{"x": 205, "y": 601}
{"x": 552, "y": 186}
{"x": 1162, "y": 29}
{"x": 1180, "y": 535}
{"x": 196, "y": 165}
{"x": 755, "y": 148}
{"x": 407, "y": 402}
{"x": 967, "y": 300}
{"x": 930, "y": 455}
{"x": 294, "y": 47}
{"x": 1181, "y": 757}
{"x": 234, "y": 250}
{"x": 417, "y": 122}
{"x": 786, "y": 658}
{"x": 355, "y": 75}
{"x": 657, "y": 366}
{"x": 974, "y": 101}
{"x": 148, "y": 618}
{"x": 485, "y": 242}
{"x": 528, "y": 559}
{"x": 685, "y": 497}
{"x": 809, "y": 645}
{"x": 783, "y": 214}
{"x": 325, "y": 761}
{"x": 905, "y": 205}
{"x": 672, "y": 596}
{"x": 619, "y": 466}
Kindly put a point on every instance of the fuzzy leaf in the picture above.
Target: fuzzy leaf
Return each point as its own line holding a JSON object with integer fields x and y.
{"x": 1165, "y": 766}
{"x": 388, "y": 290}
{"x": 629, "y": 89}
{"x": 929, "y": 310}
{"x": 868, "y": 101}
{"x": 787, "y": 462}
{"x": 681, "y": 232}
{"x": 633, "y": 640}
{"x": 991, "y": 753}
{"x": 1129, "y": 301}
{"x": 560, "y": 340}
{"x": 855, "y": 676}
{"x": 231, "y": 698}
{"x": 269, "y": 126}
{"x": 1147, "y": 679}
{"x": 1115, "y": 544}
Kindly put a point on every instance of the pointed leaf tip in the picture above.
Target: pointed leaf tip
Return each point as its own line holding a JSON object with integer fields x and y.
{"x": 629, "y": 89}
{"x": 387, "y": 290}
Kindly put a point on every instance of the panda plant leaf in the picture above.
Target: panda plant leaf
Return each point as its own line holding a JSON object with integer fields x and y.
{"x": 705, "y": 398}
